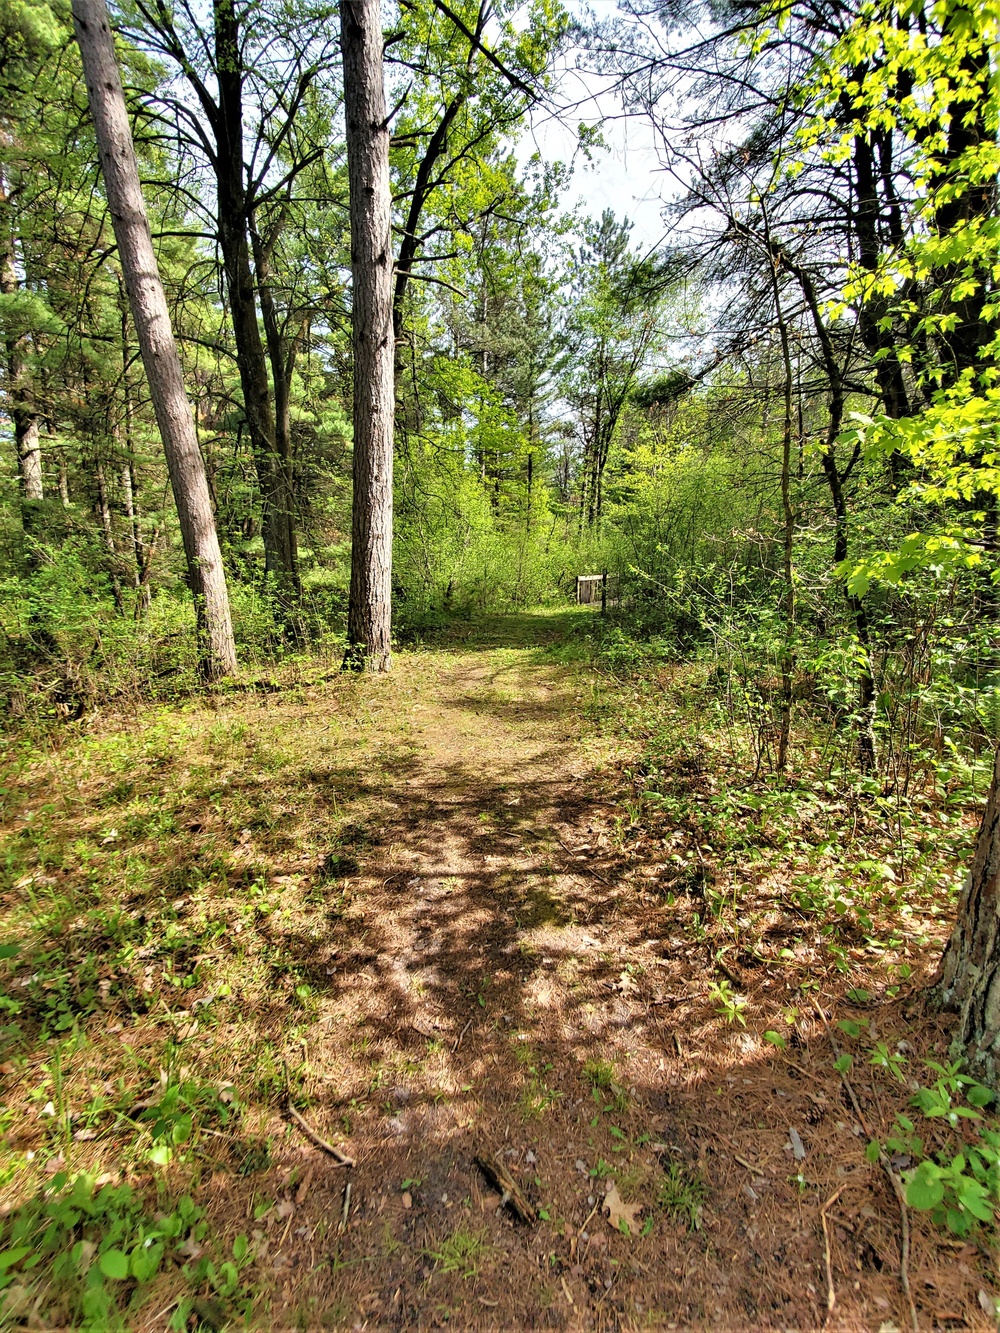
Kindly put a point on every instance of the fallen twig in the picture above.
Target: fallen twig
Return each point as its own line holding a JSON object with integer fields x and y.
{"x": 727, "y": 972}
{"x": 510, "y": 1192}
{"x": 586, "y": 1220}
{"x": 894, "y": 1180}
{"x": 317, "y": 1139}
{"x": 800, "y": 1068}
{"x": 588, "y": 869}
{"x": 831, "y": 1295}
{"x": 461, "y": 1037}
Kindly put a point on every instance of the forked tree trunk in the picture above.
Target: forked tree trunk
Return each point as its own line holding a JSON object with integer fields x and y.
{"x": 970, "y": 969}
{"x": 206, "y": 575}
{"x": 369, "y": 610}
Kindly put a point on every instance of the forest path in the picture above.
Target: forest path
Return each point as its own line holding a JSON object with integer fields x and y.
{"x": 501, "y": 979}
{"x": 425, "y": 907}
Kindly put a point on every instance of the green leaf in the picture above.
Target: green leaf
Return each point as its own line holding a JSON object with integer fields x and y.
{"x": 240, "y": 1247}
{"x": 977, "y": 1095}
{"x": 114, "y": 1264}
{"x": 852, "y": 1028}
{"x": 843, "y": 1063}
{"x": 776, "y": 1039}
{"x": 145, "y": 1261}
{"x": 9, "y": 950}
{"x": 872, "y": 1151}
{"x": 8, "y": 1258}
{"x": 858, "y": 995}
{"x": 925, "y": 1190}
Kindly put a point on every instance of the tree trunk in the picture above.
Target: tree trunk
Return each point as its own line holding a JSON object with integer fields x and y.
{"x": 21, "y": 406}
{"x": 370, "y": 607}
{"x": 969, "y": 984}
{"x": 206, "y": 574}
{"x": 787, "y": 662}
{"x": 867, "y": 750}
{"x": 281, "y": 557}
{"x": 107, "y": 528}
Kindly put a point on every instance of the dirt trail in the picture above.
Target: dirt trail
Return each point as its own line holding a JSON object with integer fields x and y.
{"x": 415, "y": 899}
{"x": 503, "y": 987}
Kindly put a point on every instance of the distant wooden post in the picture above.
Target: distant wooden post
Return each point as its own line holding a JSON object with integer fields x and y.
{"x": 604, "y": 592}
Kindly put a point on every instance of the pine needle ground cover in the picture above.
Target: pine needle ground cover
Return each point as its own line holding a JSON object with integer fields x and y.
{"x": 498, "y": 907}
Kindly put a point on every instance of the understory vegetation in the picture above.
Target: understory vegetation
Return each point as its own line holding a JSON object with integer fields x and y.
{"x": 204, "y": 925}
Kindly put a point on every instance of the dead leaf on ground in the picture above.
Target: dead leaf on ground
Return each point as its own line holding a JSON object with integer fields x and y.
{"x": 618, "y": 1212}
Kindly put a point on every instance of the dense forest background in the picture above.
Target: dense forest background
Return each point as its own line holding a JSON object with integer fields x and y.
{"x": 769, "y": 429}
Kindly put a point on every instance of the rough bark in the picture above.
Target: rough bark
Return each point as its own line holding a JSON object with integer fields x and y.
{"x": 234, "y": 217}
{"x": 969, "y": 983}
{"x": 876, "y": 333}
{"x": 369, "y": 610}
{"x": 206, "y": 575}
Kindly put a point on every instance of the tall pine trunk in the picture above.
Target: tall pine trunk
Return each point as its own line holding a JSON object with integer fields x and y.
{"x": 969, "y": 983}
{"x": 206, "y": 575}
{"x": 272, "y": 455}
{"x": 369, "y": 611}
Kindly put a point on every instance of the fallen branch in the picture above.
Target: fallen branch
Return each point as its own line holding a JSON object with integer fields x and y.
{"x": 589, "y": 870}
{"x": 340, "y": 1157}
{"x": 461, "y": 1037}
{"x": 831, "y": 1295}
{"x": 726, "y": 970}
{"x": 894, "y": 1180}
{"x": 510, "y": 1192}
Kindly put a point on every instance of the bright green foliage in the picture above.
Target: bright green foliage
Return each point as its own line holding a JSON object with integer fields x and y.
{"x": 682, "y": 1194}
{"x": 84, "y": 1253}
{"x": 925, "y": 73}
{"x": 961, "y": 1190}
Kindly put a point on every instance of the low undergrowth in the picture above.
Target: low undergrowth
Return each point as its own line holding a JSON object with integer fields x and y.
{"x": 184, "y": 892}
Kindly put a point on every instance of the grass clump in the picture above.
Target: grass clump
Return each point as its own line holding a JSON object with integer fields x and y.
{"x": 463, "y": 1252}
{"x": 608, "y": 1094}
{"x": 682, "y": 1194}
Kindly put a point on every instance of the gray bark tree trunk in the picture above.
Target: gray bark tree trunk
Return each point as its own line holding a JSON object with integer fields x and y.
{"x": 370, "y": 606}
{"x": 19, "y": 395}
{"x": 969, "y": 983}
{"x": 206, "y": 574}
